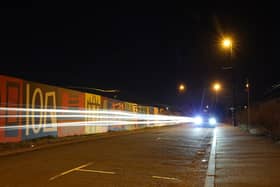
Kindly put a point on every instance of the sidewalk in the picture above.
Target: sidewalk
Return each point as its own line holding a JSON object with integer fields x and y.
{"x": 245, "y": 160}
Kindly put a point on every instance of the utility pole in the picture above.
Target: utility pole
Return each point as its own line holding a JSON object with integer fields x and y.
{"x": 202, "y": 100}
{"x": 248, "y": 103}
{"x": 234, "y": 122}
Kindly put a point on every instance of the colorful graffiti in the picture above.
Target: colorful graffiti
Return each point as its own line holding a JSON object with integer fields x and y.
{"x": 42, "y": 97}
{"x": 69, "y": 100}
{"x": 10, "y": 96}
{"x": 39, "y": 103}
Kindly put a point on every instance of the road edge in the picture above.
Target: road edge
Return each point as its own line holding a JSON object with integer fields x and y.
{"x": 76, "y": 140}
{"x": 210, "y": 177}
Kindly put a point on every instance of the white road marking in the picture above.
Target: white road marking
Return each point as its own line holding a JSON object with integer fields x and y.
{"x": 69, "y": 171}
{"x": 210, "y": 178}
{"x": 97, "y": 171}
{"x": 166, "y": 178}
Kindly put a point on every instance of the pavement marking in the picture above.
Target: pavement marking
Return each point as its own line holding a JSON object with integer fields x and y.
{"x": 69, "y": 171}
{"x": 166, "y": 178}
{"x": 97, "y": 171}
{"x": 210, "y": 177}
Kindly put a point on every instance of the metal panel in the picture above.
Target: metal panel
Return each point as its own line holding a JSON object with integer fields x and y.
{"x": 117, "y": 105}
{"x": 129, "y": 108}
{"x": 142, "y": 110}
{"x": 71, "y": 100}
{"x": 10, "y": 96}
{"x": 92, "y": 102}
{"x": 107, "y": 103}
{"x": 40, "y": 96}
{"x": 156, "y": 110}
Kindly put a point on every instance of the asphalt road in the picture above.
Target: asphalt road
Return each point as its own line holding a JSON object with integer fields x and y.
{"x": 167, "y": 156}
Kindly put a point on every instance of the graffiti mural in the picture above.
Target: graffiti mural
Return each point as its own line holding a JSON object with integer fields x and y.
{"x": 39, "y": 96}
{"x": 10, "y": 96}
{"x": 71, "y": 100}
{"x": 92, "y": 102}
{"x": 29, "y": 110}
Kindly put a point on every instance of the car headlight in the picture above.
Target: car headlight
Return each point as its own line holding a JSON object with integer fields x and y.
{"x": 198, "y": 120}
{"x": 212, "y": 121}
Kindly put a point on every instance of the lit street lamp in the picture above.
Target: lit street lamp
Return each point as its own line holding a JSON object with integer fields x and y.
{"x": 248, "y": 102}
{"x": 182, "y": 88}
{"x": 227, "y": 44}
{"x": 216, "y": 88}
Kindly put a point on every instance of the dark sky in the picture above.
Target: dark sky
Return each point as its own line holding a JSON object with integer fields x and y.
{"x": 144, "y": 50}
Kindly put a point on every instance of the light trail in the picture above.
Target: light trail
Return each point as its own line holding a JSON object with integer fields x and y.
{"x": 98, "y": 111}
{"x": 92, "y": 112}
{"x": 88, "y": 118}
{"x": 68, "y": 116}
{"x": 135, "y": 117}
{"x": 92, "y": 123}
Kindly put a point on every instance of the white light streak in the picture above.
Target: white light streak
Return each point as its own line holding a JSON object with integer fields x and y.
{"x": 89, "y": 118}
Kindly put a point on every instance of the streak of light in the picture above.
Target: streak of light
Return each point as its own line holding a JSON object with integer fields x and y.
{"x": 93, "y": 123}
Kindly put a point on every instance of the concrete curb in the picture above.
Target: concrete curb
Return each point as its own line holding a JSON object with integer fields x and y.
{"x": 210, "y": 177}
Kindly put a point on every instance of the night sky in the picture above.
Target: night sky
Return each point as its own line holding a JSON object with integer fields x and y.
{"x": 143, "y": 50}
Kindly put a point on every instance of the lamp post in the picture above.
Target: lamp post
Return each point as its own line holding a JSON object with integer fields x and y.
{"x": 227, "y": 43}
{"x": 202, "y": 100}
{"x": 248, "y": 102}
{"x": 216, "y": 88}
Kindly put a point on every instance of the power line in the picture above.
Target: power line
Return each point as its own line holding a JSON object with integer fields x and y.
{"x": 96, "y": 89}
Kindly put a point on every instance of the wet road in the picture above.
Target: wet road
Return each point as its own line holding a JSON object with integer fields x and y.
{"x": 168, "y": 156}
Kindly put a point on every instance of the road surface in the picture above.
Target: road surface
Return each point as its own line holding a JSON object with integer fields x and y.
{"x": 167, "y": 156}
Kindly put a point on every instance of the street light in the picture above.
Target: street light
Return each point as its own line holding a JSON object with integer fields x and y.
{"x": 248, "y": 102}
{"x": 216, "y": 88}
{"x": 227, "y": 44}
{"x": 182, "y": 88}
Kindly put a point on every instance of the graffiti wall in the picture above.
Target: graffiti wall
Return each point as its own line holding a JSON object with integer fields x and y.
{"x": 35, "y": 109}
{"x": 10, "y": 96}
{"x": 70, "y": 100}
{"x": 92, "y": 103}
{"x": 39, "y": 123}
{"x": 129, "y": 107}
